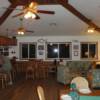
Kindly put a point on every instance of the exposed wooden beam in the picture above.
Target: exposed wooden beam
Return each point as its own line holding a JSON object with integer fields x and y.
{"x": 78, "y": 14}
{"x": 14, "y": 3}
{"x": 41, "y": 2}
{"x": 7, "y": 13}
{"x": 64, "y": 3}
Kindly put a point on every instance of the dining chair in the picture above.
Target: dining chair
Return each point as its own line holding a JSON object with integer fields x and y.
{"x": 82, "y": 84}
{"x": 41, "y": 93}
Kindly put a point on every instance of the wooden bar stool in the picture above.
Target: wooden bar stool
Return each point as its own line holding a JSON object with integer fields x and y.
{"x": 43, "y": 71}
{"x": 30, "y": 72}
{"x": 3, "y": 79}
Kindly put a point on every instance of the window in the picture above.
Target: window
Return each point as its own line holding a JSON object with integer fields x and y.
{"x": 89, "y": 50}
{"x": 32, "y": 51}
{"x": 28, "y": 50}
{"x": 64, "y": 51}
{"x": 58, "y": 50}
{"x": 52, "y": 51}
{"x": 4, "y": 51}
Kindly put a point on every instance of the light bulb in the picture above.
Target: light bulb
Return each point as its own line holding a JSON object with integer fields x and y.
{"x": 19, "y": 32}
{"x": 33, "y": 16}
{"x": 26, "y": 16}
{"x": 22, "y": 33}
{"x": 90, "y": 30}
{"x": 29, "y": 14}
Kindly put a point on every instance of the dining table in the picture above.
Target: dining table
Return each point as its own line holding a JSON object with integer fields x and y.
{"x": 94, "y": 92}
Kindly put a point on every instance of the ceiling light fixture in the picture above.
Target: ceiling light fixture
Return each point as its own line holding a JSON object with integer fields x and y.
{"x": 21, "y": 31}
{"x": 30, "y": 12}
{"x": 90, "y": 29}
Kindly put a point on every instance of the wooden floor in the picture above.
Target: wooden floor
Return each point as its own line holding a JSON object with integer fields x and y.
{"x": 23, "y": 89}
{"x": 26, "y": 89}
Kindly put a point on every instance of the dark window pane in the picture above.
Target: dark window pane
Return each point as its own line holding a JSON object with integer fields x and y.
{"x": 92, "y": 50}
{"x": 84, "y": 50}
{"x": 24, "y": 50}
{"x": 6, "y": 49}
{"x": 32, "y": 51}
{"x": 1, "y": 49}
{"x": 52, "y": 50}
{"x": 64, "y": 51}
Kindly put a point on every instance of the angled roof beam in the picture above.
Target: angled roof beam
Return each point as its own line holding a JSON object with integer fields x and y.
{"x": 7, "y": 12}
{"x": 78, "y": 14}
{"x": 42, "y": 2}
{"x": 14, "y": 3}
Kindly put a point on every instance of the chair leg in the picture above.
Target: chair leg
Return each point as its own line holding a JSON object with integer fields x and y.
{"x": 10, "y": 78}
{"x": 3, "y": 83}
{"x": 33, "y": 76}
{"x": 29, "y": 75}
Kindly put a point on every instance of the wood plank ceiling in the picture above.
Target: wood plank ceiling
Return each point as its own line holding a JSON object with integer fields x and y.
{"x": 64, "y": 3}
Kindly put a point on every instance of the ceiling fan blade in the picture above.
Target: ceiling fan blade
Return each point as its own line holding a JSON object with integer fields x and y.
{"x": 30, "y": 31}
{"x": 37, "y": 17}
{"x": 18, "y": 14}
{"x": 97, "y": 29}
{"x": 46, "y": 12}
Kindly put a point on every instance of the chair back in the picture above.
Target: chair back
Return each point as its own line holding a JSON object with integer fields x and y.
{"x": 81, "y": 84}
{"x": 40, "y": 93}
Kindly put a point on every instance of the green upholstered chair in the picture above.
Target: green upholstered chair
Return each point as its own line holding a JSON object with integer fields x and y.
{"x": 96, "y": 78}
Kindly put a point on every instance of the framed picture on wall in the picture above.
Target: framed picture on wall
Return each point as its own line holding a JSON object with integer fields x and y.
{"x": 40, "y": 52}
{"x": 41, "y": 47}
{"x": 75, "y": 47}
{"x": 75, "y": 53}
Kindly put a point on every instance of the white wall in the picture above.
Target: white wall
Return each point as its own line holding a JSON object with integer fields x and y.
{"x": 43, "y": 39}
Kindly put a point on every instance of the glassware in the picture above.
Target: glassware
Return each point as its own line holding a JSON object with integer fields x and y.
{"x": 73, "y": 92}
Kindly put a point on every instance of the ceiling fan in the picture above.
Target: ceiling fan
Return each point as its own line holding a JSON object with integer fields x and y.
{"x": 21, "y": 30}
{"x": 31, "y": 11}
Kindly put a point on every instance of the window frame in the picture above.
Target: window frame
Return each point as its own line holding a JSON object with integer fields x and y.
{"x": 89, "y": 58}
{"x": 70, "y": 50}
{"x": 20, "y": 47}
{"x": 4, "y": 50}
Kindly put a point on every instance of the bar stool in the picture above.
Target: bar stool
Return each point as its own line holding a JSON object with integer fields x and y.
{"x": 30, "y": 72}
{"x": 43, "y": 71}
{"x": 3, "y": 79}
